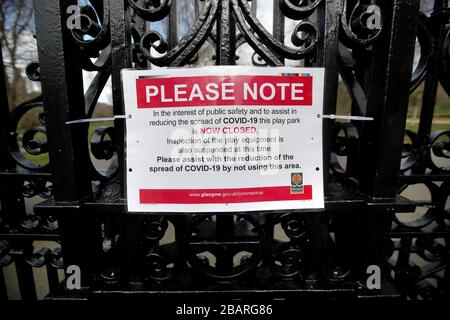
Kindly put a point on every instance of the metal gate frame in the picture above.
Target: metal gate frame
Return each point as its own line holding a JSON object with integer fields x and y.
{"x": 327, "y": 253}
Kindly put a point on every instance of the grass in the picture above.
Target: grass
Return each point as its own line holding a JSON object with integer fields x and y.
{"x": 415, "y": 127}
{"x": 442, "y": 111}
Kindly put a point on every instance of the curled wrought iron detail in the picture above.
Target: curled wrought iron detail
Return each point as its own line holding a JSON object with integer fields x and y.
{"x": 30, "y": 223}
{"x": 150, "y": 11}
{"x": 444, "y": 74}
{"x": 50, "y": 224}
{"x": 299, "y": 9}
{"x": 258, "y": 61}
{"x": 265, "y": 44}
{"x": 56, "y": 258}
{"x": 305, "y": 35}
{"x": 288, "y": 261}
{"x": 33, "y": 71}
{"x": 187, "y": 46}
{"x": 424, "y": 153}
{"x": 355, "y": 30}
{"x": 426, "y": 291}
{"x": 201, "y": 244}
{"x": 31, "y": 144}
{"x": 431, "y": 211}
{"x": 440, "y": 149}
{"x": 411, "y": 152}
{"x": 343, "y": 145}
{"x": 37, "y": 187}
{"x": 295, "y": 226}
{"x": 101, "y": 148}
{"x": 102, "y": 62}
{"x": 154, "y": 228}
{"x": 429, "y": 249}
{"x": 5, "y": 257}
{"x": 104, "y": 149}
{"x": 138, "y": 58}
{"x": 426, "y": 43}
{"x": 38, "y": 259}
{"x": 98, "y": 34}
{"x": 157, "y": 267}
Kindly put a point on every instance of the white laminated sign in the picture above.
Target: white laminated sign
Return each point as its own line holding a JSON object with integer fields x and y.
{"x": 224, "y": 139}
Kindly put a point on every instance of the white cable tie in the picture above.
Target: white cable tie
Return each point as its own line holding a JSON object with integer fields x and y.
{"x": 357, "y": 118}
{"x": 96, "y": 119}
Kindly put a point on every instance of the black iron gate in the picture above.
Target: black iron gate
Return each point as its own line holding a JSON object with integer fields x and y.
{"x": 369, "y": 45}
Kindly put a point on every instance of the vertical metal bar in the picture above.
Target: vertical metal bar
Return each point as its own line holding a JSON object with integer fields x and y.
{"x": 328, "y": 14}
{"x": 327, "y": 56}
{"x": 376, "y": 224}
{"x": 317, "y": 249}
{"x": 62, "y": 88}
{"x": 387, "y": 90}
{"x": 224, "y": 232}
{"x": 141, "y": 26}
{"x": 121, "y": 58}
{"x": 25, "y": 276}
{"x": 431, "y": 82}
{"x": 226, "y": 35}
{"x": 447, "y": 274}
{"x": 401, "y": 275}
{"x": 173, "y": 25}
{"x": 3, "y": 292}
{"x": 278, "y": 24}
{"x": 181, "y": 224}
{"x": 52, "y": 277}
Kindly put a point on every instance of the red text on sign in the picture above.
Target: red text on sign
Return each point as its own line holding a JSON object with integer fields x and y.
{"x": 224, "y": 90}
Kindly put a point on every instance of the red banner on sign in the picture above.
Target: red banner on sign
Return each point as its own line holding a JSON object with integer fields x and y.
{"x": 224, "y": 91}
{"x": 238, "y": 195}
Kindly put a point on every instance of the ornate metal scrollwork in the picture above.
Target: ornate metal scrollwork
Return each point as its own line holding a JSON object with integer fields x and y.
{"x": 411, "y": 152}
{"x": 37, "y": 187}
{"x": 422, "y": 280}
{"x": 429, "y": 207}
{"x": 297, "y": 10}
{"x": 157, "y": 267}
{"x": 5, "y": 257}
{"x": 346, "y": 137}
{"x": 444, "y": 71}
{"x": 187, "y": 46}
{"x": 93, "y": 38}
{"x": 426, "y": 43}
{"x": 431, "y": 153}
{"x": 305, "y": 36}
{"x": 32, "y": 142}
{"x": 287, "y": 259}
{"x": 151, "y": 10}
{"x": 361, "y": 25}
{"x": 222, "y": 255}
{"x": 92, "y": 34}
{"x": 154, "y": 228}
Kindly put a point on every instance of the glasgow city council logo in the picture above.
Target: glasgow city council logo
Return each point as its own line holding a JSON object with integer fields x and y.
{"x": 296, "y": 182}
